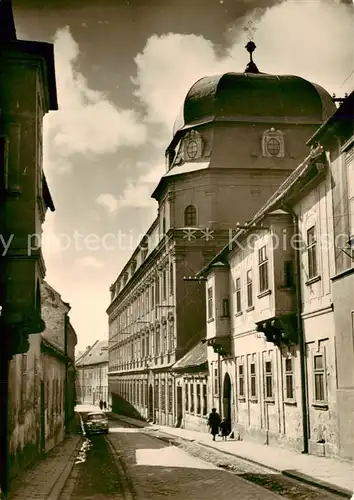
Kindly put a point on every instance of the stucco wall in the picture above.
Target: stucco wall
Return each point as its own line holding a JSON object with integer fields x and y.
{"x": 24, "y": 407}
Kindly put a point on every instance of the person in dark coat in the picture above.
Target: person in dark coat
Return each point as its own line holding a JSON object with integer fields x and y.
{"x": 104, "y": 405}
{"x": 225, "y": 428}
{"x": 214, "y": 422}
{"x": 101, "y": 404}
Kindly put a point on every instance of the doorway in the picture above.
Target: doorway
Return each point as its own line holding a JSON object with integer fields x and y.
{"x": 227, "y": 397}
{"x": 150, "y": 404}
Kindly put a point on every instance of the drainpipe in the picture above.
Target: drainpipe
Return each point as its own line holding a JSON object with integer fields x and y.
{"x": 302, "y": 346}
{"x": 219, "y": 382}
{"x": 66, "y": 402}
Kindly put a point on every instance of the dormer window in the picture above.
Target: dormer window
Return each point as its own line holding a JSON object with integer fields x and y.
{"x": 273, "y": 143}
{"x": 193, "y": 145}
{"x": 190, "y": 216}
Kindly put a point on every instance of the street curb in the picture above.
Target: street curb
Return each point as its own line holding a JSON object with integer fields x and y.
{"x": 300, "y": 476}
{"x": 58, "y": 486}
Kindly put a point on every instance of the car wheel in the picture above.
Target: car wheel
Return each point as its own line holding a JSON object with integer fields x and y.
{"x": 106, "y": 431}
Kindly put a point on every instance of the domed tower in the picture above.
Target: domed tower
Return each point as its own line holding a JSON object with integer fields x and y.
{"x": 237, "y": 137}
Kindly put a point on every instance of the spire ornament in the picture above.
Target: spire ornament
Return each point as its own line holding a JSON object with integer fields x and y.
{"x": 250, "y": 30}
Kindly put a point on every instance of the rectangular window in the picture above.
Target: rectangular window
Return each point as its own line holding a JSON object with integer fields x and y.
{"x": 210, "y": 302}
{"x": 225, "y": 308}
{"x": 311, "y": 252}
{"x": 205, "y": 400}
{"x": 171, "y": 279}
{"x": 170, "y": 396}
{"x": 289, "y": 378}
{"x": 152, "y": 297}
{"x": 241, "y": 381}
{"x": 263, "y": 269}
{"x": 199, "y": 402}
{"x": 164, "y": 284}
{"x": 163, "y": 396}
{"x": 216, "y": 382}
{"x": 249, "y": 288}
{"x": 186, "y": 396}
{"x": 268, "y": 376}
{"x": 253, "y": 380}
{"x": 319, "y": 378}
{"x": 157, "y": 290}
{"x": 191, "y": 402}
{"x": 238, "y": 294}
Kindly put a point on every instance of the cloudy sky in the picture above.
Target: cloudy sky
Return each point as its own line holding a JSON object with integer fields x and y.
{"x": 122, "y": 70}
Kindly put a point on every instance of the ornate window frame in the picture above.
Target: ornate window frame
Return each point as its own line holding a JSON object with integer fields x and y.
{"x": 269, "y": 136}
{"x": 192, "y": 136}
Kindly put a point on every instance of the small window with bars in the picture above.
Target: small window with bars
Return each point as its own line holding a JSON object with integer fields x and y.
{"x": 186, "y": 396}
{"x": 216, "y": 382}
{"x": 253, "y": 380}
{"x": 319, "y": 378}
{"x": 225, "y": 308}
{"x": 241, "y": 381}
{"x": 268, "y": 380}
{"x": 191, "y": 402}
{"x": 289, "y": 378}
{"x": 199, "y": 402}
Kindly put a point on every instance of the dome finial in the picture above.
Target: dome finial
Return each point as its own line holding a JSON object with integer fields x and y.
{"x": 251, "y": 46}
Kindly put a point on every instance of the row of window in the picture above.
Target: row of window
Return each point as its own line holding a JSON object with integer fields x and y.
{"x": 195, "y": 398}
{"x": 263, "y": 277}
{"x": 248, "y": 379}
{"x": 136, "y": 392}
{"x": 161, "y": 341}
{"x": 149, "y": 299}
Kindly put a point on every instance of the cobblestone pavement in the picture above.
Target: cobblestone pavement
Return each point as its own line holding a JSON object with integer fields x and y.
{"x": 129, "y": 464}
{"x": 37, "y": 482}
{"x": 270, "y": 480}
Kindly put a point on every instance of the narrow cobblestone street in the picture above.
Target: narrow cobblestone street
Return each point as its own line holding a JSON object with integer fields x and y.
{"x": 132, "y": 463}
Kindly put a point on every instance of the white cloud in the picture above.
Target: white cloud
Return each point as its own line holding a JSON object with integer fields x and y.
{"x": 108, "y": 201}
{"x": 313, "y": 40}
{"x": 87, "y": 122}
{"x": 89, "y": 261}
{"x": 137, "y": 193}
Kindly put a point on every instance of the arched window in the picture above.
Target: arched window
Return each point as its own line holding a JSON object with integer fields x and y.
{"x": 190, "y": 216}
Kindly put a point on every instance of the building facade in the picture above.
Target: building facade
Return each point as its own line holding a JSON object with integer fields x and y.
{"x": 41, "y": 399}
{"x": 92, "y": 374}
{"x": 336, "y": 136}
{"x": 273, "y": 359}
{"x": 232, "y": 147}
{"x": 27, "y": 93}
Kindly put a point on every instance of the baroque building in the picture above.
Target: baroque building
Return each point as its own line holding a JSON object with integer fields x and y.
{"x": 27, "y": 93}
{"x": 92, "y": 374}
{"x": 272, "y": 360}
{"x": 238, "y": 136}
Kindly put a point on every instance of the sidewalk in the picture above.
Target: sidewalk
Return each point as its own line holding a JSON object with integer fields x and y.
{"x": 330, "y": 474}
{"x": 45, "y": 479}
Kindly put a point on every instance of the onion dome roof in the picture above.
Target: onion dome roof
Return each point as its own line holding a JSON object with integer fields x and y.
{"x": 248, "y": 96}
{"x": 254, "y": 96}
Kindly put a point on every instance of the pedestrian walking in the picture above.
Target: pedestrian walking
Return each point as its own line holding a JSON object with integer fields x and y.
{"x": 104, "y": 405}
{"x": 214, "y": 422}
{"x": 225, "y": 428}
{"x": 101, "y": 404}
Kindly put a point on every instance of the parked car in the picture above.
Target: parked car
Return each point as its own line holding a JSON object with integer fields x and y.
{"x": 96, "y": 423}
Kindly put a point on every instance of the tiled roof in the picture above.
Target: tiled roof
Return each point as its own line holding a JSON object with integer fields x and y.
{"x": 196, "y": 356}
{"x": 98, "y": 353}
